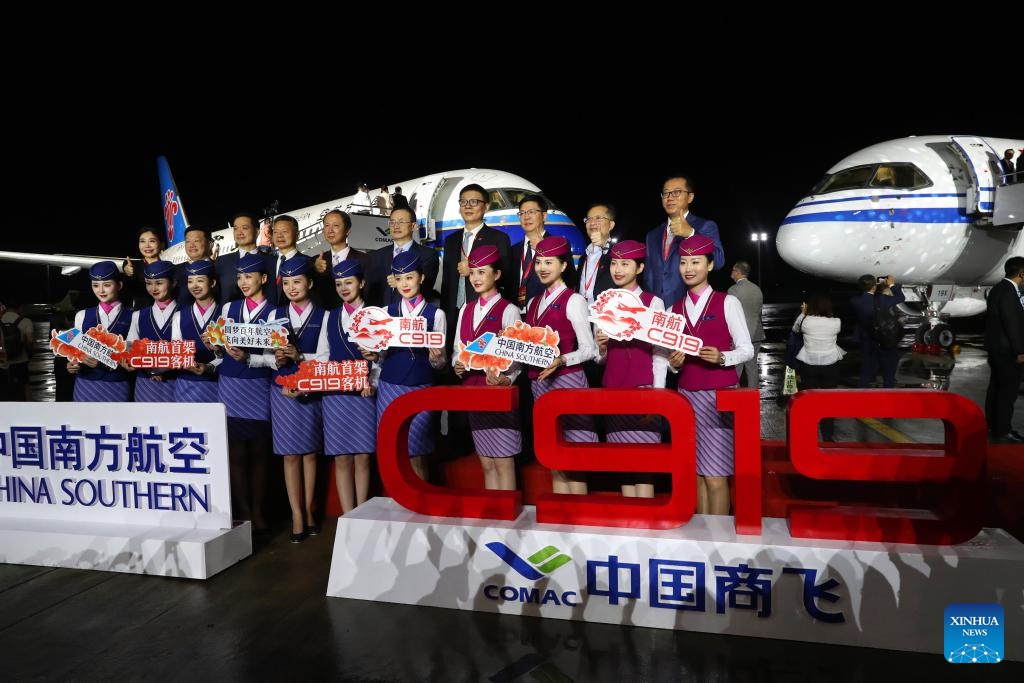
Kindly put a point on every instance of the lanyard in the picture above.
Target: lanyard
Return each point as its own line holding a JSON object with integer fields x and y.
{"x": 593, "y": 273}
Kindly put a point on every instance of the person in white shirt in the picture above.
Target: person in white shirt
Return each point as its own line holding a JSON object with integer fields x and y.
{"x": 559, "y": 307}
{"x": 595, "y": 273}
{"x": 361, "y": 202}
{"x": 820, "y": 354}
{"x": 496, "y": 436}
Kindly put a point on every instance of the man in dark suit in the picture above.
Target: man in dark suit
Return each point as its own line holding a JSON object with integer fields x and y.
{"x": 398, "y": 200}
{"x": 243, "y": 227}
{"x": 284, "y": 232}
{"x": 882, "y": 293}
{"x": 661, "y": 276}
{"x": 380, "y": 290}
{"x": 1004, "y": 342}
{"x": 523, "y": 281}
{"x": 1006, "y": 170}
{"x": 752, "y": 300}
{"x": 336, "y": 227}
{"x": 455, "y": 288}
{"x": 595, "y": 267}
{"x": 198, "y": 245}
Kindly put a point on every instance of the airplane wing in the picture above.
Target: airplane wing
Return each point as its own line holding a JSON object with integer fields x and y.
{"x": 68, "y": 263}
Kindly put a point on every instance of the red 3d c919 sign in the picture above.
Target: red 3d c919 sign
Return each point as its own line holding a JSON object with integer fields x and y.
{"x": 958, "y": 465}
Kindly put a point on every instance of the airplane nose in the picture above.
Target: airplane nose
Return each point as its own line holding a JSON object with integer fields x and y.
{"x": 803, "y": 246}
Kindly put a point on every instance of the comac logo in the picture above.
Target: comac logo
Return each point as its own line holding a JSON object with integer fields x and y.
{"x": 536, "y": 566}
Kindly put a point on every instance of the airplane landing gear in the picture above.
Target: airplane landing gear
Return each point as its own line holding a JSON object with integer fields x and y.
{"x": 939, "y": 333}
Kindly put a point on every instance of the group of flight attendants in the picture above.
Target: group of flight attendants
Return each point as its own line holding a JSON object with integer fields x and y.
{"x": 343, "y": 426}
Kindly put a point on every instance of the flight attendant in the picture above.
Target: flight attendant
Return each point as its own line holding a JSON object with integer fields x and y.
{"x": 350, "y": 418}
{"x": 154, "y": 322}
{"x": 496, "y": 436}
{"x": 198, "y": 384}
{"x": 296, "y": 418}
{"x": 94, "y": 381}
{"x": 406, "y": 369}
{"x": 717, "y": 319}
{"x": 632, "y": 364}
{"x": 244, "y": 390}
{"x": 565, "y": 311}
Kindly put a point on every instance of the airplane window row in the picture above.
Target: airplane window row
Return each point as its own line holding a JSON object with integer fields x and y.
{"x": 894, "y": 176}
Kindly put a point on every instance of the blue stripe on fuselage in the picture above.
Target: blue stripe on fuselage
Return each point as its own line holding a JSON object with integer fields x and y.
{"x": 919, "y": 215}
{"x": 875, "y": 197}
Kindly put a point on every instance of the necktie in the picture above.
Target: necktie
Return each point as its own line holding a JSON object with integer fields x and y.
{"x": 460, "y": 297}
{"x": 668, "y": 243}
{"x": 280, "y": 262}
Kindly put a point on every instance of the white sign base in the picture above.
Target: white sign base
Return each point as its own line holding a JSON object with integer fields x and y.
{"x": 133, "y": 549}
{"x": 700, "y": 577}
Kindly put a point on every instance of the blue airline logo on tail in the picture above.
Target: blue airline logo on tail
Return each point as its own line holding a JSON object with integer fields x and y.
{"x": 173, "y": 210}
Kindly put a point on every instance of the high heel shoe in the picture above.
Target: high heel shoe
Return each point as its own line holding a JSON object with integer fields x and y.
{"x": 297, "y": 538}
{"x": 313, "y": 529}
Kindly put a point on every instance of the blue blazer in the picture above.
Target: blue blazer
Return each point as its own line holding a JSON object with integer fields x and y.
{"x": 661, "y": 276}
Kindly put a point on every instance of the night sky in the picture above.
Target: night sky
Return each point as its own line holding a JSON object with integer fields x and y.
{"x": 84, "y": 181}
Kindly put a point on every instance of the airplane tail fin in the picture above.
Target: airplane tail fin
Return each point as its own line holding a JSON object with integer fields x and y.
{"x": 174, "y": 211}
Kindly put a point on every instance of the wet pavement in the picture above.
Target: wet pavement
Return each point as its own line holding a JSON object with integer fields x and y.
{"x": 267, "y": 618}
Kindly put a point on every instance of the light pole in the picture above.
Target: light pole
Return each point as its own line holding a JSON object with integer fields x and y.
{"x": 759, "y": 238}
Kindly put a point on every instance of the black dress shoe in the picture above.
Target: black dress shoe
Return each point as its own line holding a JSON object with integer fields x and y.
{"x": 297, "y": 538}
{"x": 313, "y": 530}
{"x": 1010, "y": 437}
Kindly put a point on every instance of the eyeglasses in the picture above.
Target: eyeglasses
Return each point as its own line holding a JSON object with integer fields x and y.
{"x": 529, "y": 212}
{"x": 595, "y": 219}
{"x": 399, "y": 222}
{"x": 471, "y": 202}
{"x": 674, "y": 194}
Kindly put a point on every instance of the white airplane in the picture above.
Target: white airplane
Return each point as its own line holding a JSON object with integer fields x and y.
{"x": 935, "y": 212}
{"x": 434, "y": 198}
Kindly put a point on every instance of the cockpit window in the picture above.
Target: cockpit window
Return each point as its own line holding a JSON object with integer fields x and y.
{"x": 895, "y": 176}
{"x": 497, "y": 201}
{"x": 899, "y": 176}
{"x": 515, "y": 195}
{"x": 847, "y": 179}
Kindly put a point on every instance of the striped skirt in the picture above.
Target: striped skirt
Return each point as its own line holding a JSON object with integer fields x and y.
{"x": 149, "y": 390}
{"x": 350, "y": 424}
{"x": 247, "y": 402}
{"x": 714, "y": 434}
{"x": 421, "y": 431}
{"x": 298, "y": 425}
{"x": 575, "y": 428}
{"x": 92, "y": 391}
{"x": 187, "y": 391}
{"x": 496, "y": 435}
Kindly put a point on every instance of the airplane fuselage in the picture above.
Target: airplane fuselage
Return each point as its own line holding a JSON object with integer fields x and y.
{"x": 917, "y": 223}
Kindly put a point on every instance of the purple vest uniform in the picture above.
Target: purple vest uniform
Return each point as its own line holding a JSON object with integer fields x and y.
{"x": 490, "y": 323}
{"x": 555, "y": 317}
{"x": 630, "y": 363}
{"x": 698, "y": 374}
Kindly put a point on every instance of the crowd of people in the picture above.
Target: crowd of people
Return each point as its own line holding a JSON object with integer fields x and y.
{"x": 487, "y": 285}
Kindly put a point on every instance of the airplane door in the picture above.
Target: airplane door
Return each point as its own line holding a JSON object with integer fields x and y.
{"x": 976, "y": 155}
{"x": 438, "y": 203}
